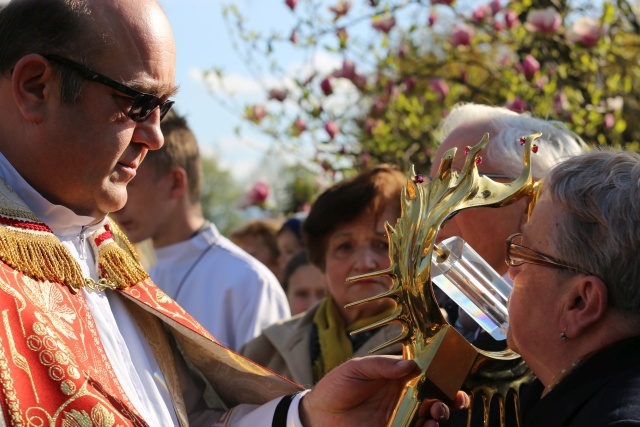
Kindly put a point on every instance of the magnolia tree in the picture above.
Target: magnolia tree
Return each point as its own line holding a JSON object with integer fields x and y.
{"x": 377, "y": 76}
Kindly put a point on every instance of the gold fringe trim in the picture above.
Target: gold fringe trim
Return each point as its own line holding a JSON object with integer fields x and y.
{"x": 121, "y": 239}
{"x": 39, "y": 255}
{"x": 118, "y": 261}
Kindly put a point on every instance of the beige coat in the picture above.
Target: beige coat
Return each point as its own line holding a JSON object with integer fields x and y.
{"x": 285, "y": 347}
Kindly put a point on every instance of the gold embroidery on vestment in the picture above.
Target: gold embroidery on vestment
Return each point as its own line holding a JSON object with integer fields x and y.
{"x": 19, "y": 360}
{"x": 11, "y": 398}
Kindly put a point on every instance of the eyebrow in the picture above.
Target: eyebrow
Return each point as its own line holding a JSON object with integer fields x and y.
{"x": 159, "y": 90}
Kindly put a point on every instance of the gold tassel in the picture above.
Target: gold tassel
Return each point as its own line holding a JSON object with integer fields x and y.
{"x": 40, "y": 256}
{"x": 118, "y": 261}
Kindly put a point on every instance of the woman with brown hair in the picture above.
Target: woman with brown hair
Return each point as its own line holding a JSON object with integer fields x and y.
{"x": 345, "y": 236}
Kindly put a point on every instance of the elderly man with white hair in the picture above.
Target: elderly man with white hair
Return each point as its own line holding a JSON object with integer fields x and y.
{"x": 486, "y": 229}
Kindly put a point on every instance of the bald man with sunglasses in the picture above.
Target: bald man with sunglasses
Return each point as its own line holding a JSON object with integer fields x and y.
{"x": 86, "y": 337}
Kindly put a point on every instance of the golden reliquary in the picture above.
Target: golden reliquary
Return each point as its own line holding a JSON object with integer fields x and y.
{"x": 447, "y": 361}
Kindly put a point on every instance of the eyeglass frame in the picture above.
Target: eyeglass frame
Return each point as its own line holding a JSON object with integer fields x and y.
{"x": 142, "y": 101}
{"x": 537, "y": 258}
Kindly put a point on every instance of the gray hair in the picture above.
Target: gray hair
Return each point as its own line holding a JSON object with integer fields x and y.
{"x": 556, "y": 143}
{"x": 599, "y": 193}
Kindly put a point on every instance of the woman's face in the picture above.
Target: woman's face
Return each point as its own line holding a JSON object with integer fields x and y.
{"x": 355, "y": 248}
{"x": 288, "y": 245}
{"x": 305, "y": 288}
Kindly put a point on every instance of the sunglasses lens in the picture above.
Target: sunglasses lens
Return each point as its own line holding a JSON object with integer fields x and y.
{"x": 143, "y": 106}
{"x": 164, "y": 108}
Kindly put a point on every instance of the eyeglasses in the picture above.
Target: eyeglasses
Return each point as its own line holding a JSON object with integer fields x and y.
{"x": 143, "y": 103}
{"x": 518, "y": 255}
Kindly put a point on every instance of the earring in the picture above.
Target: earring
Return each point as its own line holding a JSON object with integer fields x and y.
{"x": 563, "y": 334}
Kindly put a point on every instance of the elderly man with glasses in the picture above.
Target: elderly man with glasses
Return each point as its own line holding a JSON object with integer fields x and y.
{"x": 574, "y": 313}
{"x": 485, "y": 229}
{"x": 86, "y": 337}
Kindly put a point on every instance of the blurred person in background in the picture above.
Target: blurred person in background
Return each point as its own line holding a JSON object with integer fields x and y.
{"x": 345, "y": 236}
{"x": 289, "y": 240}
{"x": 303, "y": 283}
{"x": 258, "y": 239}
{"x": 229, "y": 292}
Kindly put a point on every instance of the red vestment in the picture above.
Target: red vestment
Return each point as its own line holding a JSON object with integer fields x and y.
{"x": 53, "y": 367}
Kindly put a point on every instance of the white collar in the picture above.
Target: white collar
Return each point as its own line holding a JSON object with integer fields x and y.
{"x": 60, "y": 219}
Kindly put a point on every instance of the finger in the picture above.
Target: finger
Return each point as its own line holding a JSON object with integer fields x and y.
{"x": 462, "y": 401}
{"x": 439, "y": 411}
{"x": 433, "y": 409}
{"x": 388, "y": 367}
{"x": 421, "y": 422}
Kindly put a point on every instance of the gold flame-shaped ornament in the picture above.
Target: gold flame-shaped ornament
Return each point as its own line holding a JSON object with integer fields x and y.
{"x": 448, "y": 362}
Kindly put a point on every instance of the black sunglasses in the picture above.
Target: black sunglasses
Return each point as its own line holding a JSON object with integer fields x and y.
{"x": 143, "y": 103}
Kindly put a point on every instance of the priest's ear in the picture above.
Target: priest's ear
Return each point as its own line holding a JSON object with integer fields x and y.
{"x": 33, "y": 82}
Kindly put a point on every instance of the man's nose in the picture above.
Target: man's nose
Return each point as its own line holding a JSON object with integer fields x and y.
{"x": 148, "y": 132}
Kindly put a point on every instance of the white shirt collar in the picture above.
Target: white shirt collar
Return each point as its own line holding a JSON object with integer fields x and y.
{"x": 62, "y": 220}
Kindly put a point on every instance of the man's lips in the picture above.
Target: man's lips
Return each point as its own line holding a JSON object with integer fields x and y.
{"x": 128, "y": 169}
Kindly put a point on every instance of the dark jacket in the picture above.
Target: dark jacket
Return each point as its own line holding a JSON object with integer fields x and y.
{"x": 603, "y": 391}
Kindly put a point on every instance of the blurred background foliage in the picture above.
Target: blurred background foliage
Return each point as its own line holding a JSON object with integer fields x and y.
{"x": 402, "y": 64}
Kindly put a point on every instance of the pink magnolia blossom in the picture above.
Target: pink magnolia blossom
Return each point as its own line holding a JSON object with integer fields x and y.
{"x": 257, "y": 195}
{"x": 560, "y": 103}
{"x": 380, "y": 106}
{"x": 341, "y": 9}
{"x": 278, "y": 94}
{"x": 348, "y": 70}
{"x": 498, "y": 25}
{"x": 544, "y": 20}
{"x": 511, "y": 18}
{"x": 384, "y": 24}
{"x": 530, "y": 66}
{"x": 433, "y": 18}
{"x": 365, "y": 159}
{"x": 298, "y": 127}
{"x": 326, "y": 86}
{"x": 332, "y": 128}
{"x": 439, "y": 87}
{"x": 293, "y": 38}
{"x": 463, "y": 76}
{"x": 461, "y": 36}
{"x": 609, "y": 120}
{"x": 542, "y": 81}
{"x": 359, "y": 81}
{"x": 343, "y": 36}
{"x": 586, "y": 31}
{"x": 518, "y": 105}
{"x": 256, "y": 113}
{"x": 291, "y": 3}
{"x": 480, "y": 13}
{"x": 495, "y": 7}
{"x": 370, "y": 124}
{"x": 409, "y": 84}
{"x": 403, "y": 50}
